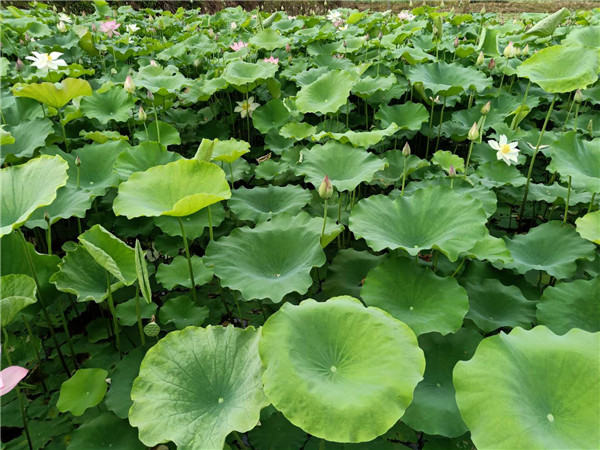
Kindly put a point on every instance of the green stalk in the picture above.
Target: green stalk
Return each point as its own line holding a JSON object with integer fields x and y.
{"x": 189, "y": 258}
{"x": 113, "y": 312}
{"x": 78, "y": 179}
{"x": 535, "y": 152}
{"x": 572, "y": 101}
{"x": 339, "y": 220}
{"x": 67, "y": 334}
{"x": 591, "y": 203}
{"x": 49, "y": 238}
{"x": 139, "y": 315}
{"x": 37, "y": 353}
{"x": 231, "y": 173}
{"x": 437, "y": 143}
{"x": 468, "y": 157}
{"x": 567, "y": 202}
{"x": 403, "y": 178}
{"x": 575, "y": 118}
{"x": 62, "y": 127}
{"x": 239, "y": 440}
{"x": 324, "y": 218}
{"x": 430, "y": 128}
{"x": 156, "y": 122}
{"x": 522, "y": 104}
{"x": 210, "y": 224}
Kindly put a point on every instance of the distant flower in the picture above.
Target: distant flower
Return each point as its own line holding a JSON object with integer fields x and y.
{"x": 46, "y": 61}
{"x": 509, "y": 50}
{"x": 405, "y": 15}
{"x": 334, "y": 16}
{"x": 291, "y": 17}
{"x": 233, "y": 26}
{"x": 110, "y": 27}
{"x": 238, "y": 46}
{"x": 64, "y": 18}
{"x": 132, "y": 28}
{"x": 10, "y": 377}
{"x": 272, "y": 60}
{"x": 246, "y": 108}
{"x": 153, "y": 63}
{"x": 18, "y": 65}
{"x": 288, "y": 48}
{"x": 129, "y": 85}
{"x": 61, "y": 27}
{"x": 342, "y": 28}
{"x": 452, "y": 171}
{"x": 505, "y": 151}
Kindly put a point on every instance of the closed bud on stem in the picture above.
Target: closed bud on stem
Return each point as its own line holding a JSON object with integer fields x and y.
{"x": 492, "y": 64}
{"x": 451, "y": 171}
{"x": 456, "y": 42}
{"x": 525, "y": 50}
{"x": 288, "y": 48}
{"x": 480, "y": 59}
{"x": 578, "y": 97}
{"x": 344, "y": 43}
{"x": 482, "y": 10}
{"x": 78, "y": 161}
{"x": 150, "y": 96}
{"x": 380, "y": 35}
{"x": 509, "y": 50}
{"x": 18, "y": 65}
{"x": 485, "y": 109}
{"x": 142, "y": 114}
{"x": 326, "y": 189}
{"x": 406, "y": 150}
{"x": 590, "y": 127}
{"x": 473, "y": 134}
{"x": 129, "y": 85}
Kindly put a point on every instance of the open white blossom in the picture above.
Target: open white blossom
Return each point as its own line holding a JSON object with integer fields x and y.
{"x": 46, "y": 61}
{"x": 246, "y": 108}
{"x": 64, "y": 18}
{"x": 505, "y": 151}
{"x": 132, "y": 28}
{"x": 334, "y": 16}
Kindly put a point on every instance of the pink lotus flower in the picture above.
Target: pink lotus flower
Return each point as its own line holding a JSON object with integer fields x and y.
{"x": 110, "y": 27}
{"x": 272, "y": 60}
{"x": 10, "y": 377}
{"x": 238, "y": 46}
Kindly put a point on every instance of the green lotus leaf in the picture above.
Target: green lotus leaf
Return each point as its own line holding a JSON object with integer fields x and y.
{"x": 262, "y": 203}
{"x": 230, "y": 150}
{"x": 346, "y": 166}
{"x": 276, "y": 432}
{"x": 297, "y": 130}
{"x": 69, "y": 202}
{"x": 212, "y": 373}
{"x": 55, "y": 95}
{"x": 105, "y": 431}
{"x": 327, "y": 93}
{"x": 28, "y": 187}
{"x": 570, "y": 305}
{"x": 445, "y": 159}
{"x": 85, "y": 389}
{"x": 271, "y": 115}
{"x": 159, "y": 80}
{"x": 202, "y": 90}
{"x": 142, "y": 157}
{"x": 518, "y": 391}
{"x": 579, "y": 159}
{"x": 176, "y": 189}
{"x": 111, "y": 253}
{"x": 121, "y": 379}
{"x": 302, "y": 220}
{"x": 268, "y": 39}
{"x": 194, "y": 224}
{"x": 578, "y": 68}
{"x": 81, "y": 275}
{"x": 583, "y": 37}
{"x": 6, "y": 138}
{"x": 434, "y": 409}
{"x": 406, "y": 222}
{"x": 493, "y": 305}
{"x": 17, "y": 291}
{"x": 498, "y": 173}
{"x": 347, "y": 272}
{"x": 446, "y": 79}
{"x": 177, "y": 273}
{"x": 127, "y": 314}
{"x": 588, "y": 227}
{"x": 423, "y": 300}
{"x": 268, "y": 261}
{"x": 27, "y": 137}
{"x": 241, "y": 73}
{"x": 338, "y": 370}
{"x": 552, "y": 247}
{"x": 359, "y": 138}
{"x": 367, "y": 86}
{"x": 114, "y": 104}
{"x": 490, "y": 248}
{"x": 408, "y": 116}
{"x": 396, "y": 169}
{"x": 488, "y": 42}
{"x": 547, "y": 26}
{"x": 182, "y": 312}
{"x": 168, "y": 134}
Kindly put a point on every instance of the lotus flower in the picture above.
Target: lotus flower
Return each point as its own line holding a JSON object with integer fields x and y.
{"x": 46, "y": 61}
{"x": 272, "y": 60}
{"x": 10, "y": 377}
{"x": 508, "y": 152}
{"x": 110, "y": 27}
{"x": 247, "y": 107}
{"x": 132, "y": 28}
{"x": 64, "y": 18}
{"x": 334, "y": 16}
{"x": 405, "y": 15}
{"x": 129, "y": 85}
{"x": 238, "y": 46}
{"x": 61, "y": 27}
{"x": 509, "y": 50}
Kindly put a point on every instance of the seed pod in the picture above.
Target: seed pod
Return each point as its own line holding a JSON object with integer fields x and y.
{"x": 152, "y": 329}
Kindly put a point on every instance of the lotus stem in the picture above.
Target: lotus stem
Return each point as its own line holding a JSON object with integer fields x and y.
{"x": 49, "y": 238}
{"x": 37, "y": 353}
{"x": 210, "y": 224}
{"x": 78, "y": 172}
{"x": 339, "y": 219}
{"x": 237, "y": 305}
{"x": 44, "y": 310}
{"x": 62, "y": 127}
{"x": 366, "y": 115}
{"x": 468, "y": 157}
{"x": 462, "y": 263}
{"x": 591, "y": 203}
{"x": 239, "y": 440}
{"x": 187, "y": 254}
{"x": 231, "y": 173}
{"x": 437, "y": 143}
{"x": 430, "y": 128}
{"x": 67, "y": 334}
{"x": 324, "y": 218}
{"x": 567, "y": 202}
{"x": 575, "y": 118}
{"x": 156, "y": 122}
{"x": 535, "y": 152}
{"x": 572, "y": 101}
{"x": 139, "y": 315}
{"x": 403, "y": 178}
{"x": 113, "y": 312}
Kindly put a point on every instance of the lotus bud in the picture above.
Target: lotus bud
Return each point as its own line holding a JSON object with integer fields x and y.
{"x": 578, "y": 97}
{"x": 480, "y": 59}
{"x": 153, "y": 63}
{"x": 473, "y": 134}
{"x": 142, "y": 114}
{"x": 442, "y": 4}
{"x": 78, "y": 161}
{"x": 113, "y": 71}
{"x": 61, "y": 27}
{"x": 288, "y": 48}
{"x": 150, "y": 96}
{"x": 451, "y": 171}
{"x": 26, "y": 37}
{"x": 492, "y": 64}
{"x": 326, "y": 189}
{"x": 485, "y": 109}
{"x": 456, "y": 42}
{"x": 410, "y": 3}
{"x": 21, "y": 42}
{"x": 344, "y": 43}
{"x": 18, "y": 65}
{"x": 211, "y": 33}
{"x": 94, "y": 29}
{"x": 525, "y": 50}
{"x": 482, "y": 10}
{"x": 406, "y": 150}
{"x": 196, "y": 63}
{"x": 233, "y": 26}
{"x": 509, "y": 50}
{"x": 217, "y": 37}
{"x": 380, "y": 35}
{"x": 129, "y": 85}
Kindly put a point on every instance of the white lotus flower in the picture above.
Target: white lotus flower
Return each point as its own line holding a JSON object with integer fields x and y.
{"x": 508, "y": 152}
{"x": 64, "y": 18}
{"x": 46, "y": 61}
{"x": 132, "y": 28}
{"x": 334, "y": 16}
{"x": 246, "y": 108}
{"x": 61, "y": 27}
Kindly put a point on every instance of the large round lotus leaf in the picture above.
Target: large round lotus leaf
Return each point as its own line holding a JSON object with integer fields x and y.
{"x": 271, "y": 115}
{"x": 491, "y": 249}
{"x": 25, "y": 142}
{"x": 17, "y": 291}
{"x": 262, "y": 203}
{"x": 27, "y": 187}
{"x": 433, "y": 409}
{"x": 493, "y": 305}
{"x": 198, "y": 385}
{"x": 268, "y": 39}
{"x": 297, "y": 130}
{"x": 194, "y": 224}
{"x": 552, "y": 247}
{"x": 268, "y": 261}
{"x": 571, "y": 305}
{"x": 583, "y": 37}
{"x": 114, "y": 104}
{"x": 347, "y": 272}
{"x": 230, "y": 150}
{"x": 448, "y": 79}
{"x": 560, "y": 68}
{"x": 69, "y": 202}
{"x": 359, "y": 138}
{"x": 143, "y": 157}
{"x": 241, "y": 73}
{"x": 127, "y": 314}
{"x": 86, "y": 388}
{"x": 55, "y": 95}
{"x": 168, "y": 134}
{"x": 532, "y": 390}
{"x": 105, "y": 431}
{"x": 579, "y": 159}
{"x": 416, "y": 296}
{"x": 326, "y": 94}
{"x": 408, "y": 116}
{"x": 338, "y": 370}
{"x": 178, "y": 273}
{"x": 588, "y": 226}
{"x": 407, "y": 222}
{"x": 346, "y": 166}
{"x": 182, "y": 312}
{"x": 176, "y": 189}
{"x": 160, "y": 80}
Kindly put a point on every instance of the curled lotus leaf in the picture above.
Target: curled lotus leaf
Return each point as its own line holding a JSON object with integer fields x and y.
{"x": 55, "y": 95}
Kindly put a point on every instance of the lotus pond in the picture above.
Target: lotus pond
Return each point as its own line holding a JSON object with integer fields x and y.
{"x": 259, "y": 231}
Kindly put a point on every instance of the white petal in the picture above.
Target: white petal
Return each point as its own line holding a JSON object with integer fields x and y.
{"x": 250, "y": 99}
{"x": 55, "y": 55}
{"x": 494, "y": 145}
{"x": 237, "y": 108}
{"x": 60, "y": 62}
{"x": 31, "y": 58}
{"x": 503, "y": 140}
{"x": 513, "y": 145}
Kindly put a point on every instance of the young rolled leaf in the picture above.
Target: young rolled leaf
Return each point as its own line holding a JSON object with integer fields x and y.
{"x": 141, "y": 271}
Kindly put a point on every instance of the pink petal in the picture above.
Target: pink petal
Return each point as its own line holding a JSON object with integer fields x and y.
{"x": 10, "y": 377}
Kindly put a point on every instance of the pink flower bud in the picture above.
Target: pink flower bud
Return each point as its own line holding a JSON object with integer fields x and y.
{"x": 18, "y": 65}
{"x": 492, "y": 64}
{"x": 451, "y": 171}
{"x": 129, "y": 85}
{"x": 326, "y": 189}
